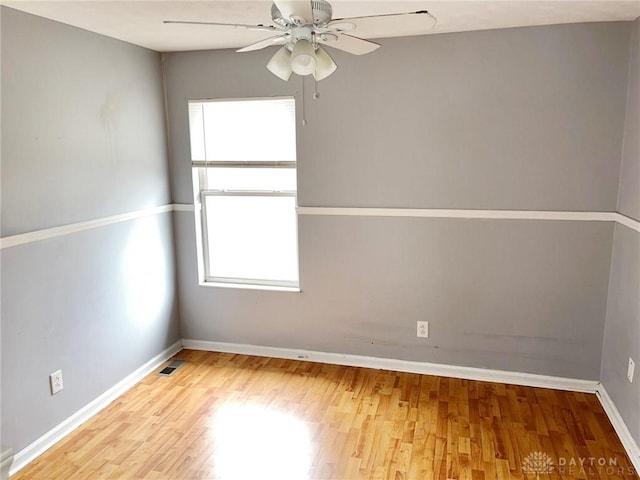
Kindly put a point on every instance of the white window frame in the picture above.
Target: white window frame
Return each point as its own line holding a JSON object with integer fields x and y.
{"x": 201, "y": 192}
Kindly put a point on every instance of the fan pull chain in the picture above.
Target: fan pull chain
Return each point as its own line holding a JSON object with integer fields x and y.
{"x": 316, "y": 96}
{"x": 304, "y": 111}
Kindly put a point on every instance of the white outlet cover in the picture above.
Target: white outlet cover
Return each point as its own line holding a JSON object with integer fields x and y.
{"x": 55, "y": 381}
{"x": 631, "y": 369}
{"x": 422, "y": 329}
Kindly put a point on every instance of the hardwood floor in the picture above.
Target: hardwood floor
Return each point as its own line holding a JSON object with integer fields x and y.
{"x": 224, "y": 416}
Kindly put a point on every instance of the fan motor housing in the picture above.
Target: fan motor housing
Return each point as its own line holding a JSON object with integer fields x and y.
{"x": 322, "y": 13}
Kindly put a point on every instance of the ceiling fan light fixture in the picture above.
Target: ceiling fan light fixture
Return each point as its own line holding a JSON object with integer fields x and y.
{"x": 301, "y": 25}
{"x": 303, "y": 58}
{"x": 280, "y": 64}
{"x": 325, "y": 65}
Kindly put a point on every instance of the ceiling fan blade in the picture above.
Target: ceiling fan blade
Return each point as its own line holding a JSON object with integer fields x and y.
{"x": 390, "y": 25}
{"x": 347, "y": 43}
{"x": 337, "y": 26}
{"x": 267, "y": 42}
{"x": 384, "y": 15}
{"x": 295, "y": 9}
{"x": 267, "y": 28}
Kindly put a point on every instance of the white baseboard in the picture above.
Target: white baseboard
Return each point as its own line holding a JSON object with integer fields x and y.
{"x": 46, "y": 441}
{"x": 469, "y": 373}
{"x": 629, "y": 444}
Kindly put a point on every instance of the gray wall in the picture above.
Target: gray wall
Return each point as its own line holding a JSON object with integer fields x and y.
{"x": 82, "y": 138}
{"x": 622, "y": 328}
{"x": 629, "y": 191}
{"x": 83, "y": 135}
{"x": 513, "y": 119}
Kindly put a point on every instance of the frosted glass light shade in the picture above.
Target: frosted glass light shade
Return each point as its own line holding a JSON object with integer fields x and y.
{"x": 303, "y": 58}
{"x": 325, "y": 65}
{"x": 280, "y": 64}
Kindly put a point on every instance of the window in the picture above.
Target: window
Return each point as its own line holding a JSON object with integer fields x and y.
{"x": 243, "y": 155}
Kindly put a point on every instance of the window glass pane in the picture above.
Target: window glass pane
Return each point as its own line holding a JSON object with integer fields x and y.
{"x": 252, "y": 237}
{"x": 274, "y": 179}
{"x": 246, "y": 130}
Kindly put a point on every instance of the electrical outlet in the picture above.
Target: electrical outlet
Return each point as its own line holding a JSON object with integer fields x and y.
{"x": 423, "y": 329}
{"x": 630, "y": 370}
{"x": 55, "y": 379}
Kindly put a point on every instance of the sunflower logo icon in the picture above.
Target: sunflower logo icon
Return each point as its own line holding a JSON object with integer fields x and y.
{"x": 537, "y": 463}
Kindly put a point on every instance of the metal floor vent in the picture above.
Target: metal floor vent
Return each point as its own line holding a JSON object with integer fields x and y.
{"x": 172, "y": 367}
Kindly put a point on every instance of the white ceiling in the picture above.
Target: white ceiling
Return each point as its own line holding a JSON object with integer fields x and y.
{"x": 140, "y": 21}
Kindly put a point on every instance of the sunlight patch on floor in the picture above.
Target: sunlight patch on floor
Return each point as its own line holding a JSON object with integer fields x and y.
{"x": 254, "y": 442}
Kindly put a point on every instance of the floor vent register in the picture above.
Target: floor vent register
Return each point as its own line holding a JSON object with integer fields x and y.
{"x": 171, "y": 368}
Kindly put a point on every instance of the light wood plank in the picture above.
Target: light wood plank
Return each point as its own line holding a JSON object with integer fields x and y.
{"x": 225, "y": 416}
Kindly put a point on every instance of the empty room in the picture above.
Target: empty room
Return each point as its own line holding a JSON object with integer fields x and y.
{"x": 320, "y": 240}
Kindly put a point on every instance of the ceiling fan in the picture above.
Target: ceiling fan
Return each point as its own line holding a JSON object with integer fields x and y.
{"x": 302, "y": 26}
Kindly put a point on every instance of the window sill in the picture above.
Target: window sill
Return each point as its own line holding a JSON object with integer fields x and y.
{"x": 248, "y": 286}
